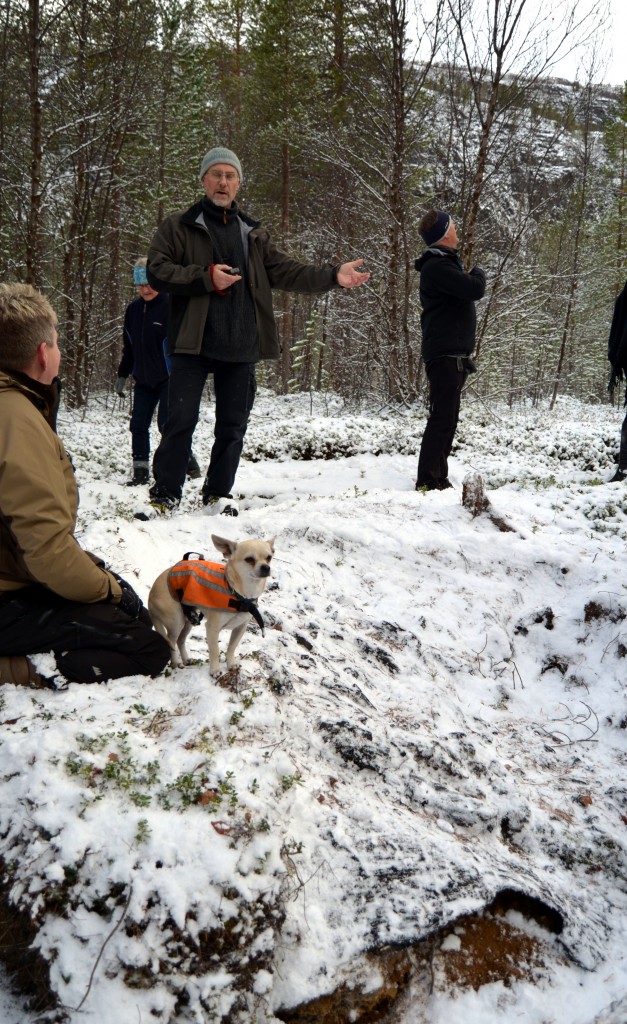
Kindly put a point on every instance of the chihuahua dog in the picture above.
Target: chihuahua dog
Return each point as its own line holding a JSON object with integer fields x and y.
{"x": 226, "y": 594}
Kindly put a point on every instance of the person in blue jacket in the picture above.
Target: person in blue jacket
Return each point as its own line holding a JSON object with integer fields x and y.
{"x": 143, "y": 356}
{"x": 448, "y": 294}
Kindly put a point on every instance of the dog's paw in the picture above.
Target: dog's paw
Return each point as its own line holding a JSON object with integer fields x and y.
{"x": 230, "y": 680}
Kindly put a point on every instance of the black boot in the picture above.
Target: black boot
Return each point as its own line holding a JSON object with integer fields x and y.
{"x": 140, "y": 476}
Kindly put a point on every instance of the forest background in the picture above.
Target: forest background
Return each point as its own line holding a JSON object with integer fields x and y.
{"x": 350, "y": 120}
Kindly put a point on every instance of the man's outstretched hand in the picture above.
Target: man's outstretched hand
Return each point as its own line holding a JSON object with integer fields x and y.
{"x": 349, "y": 277}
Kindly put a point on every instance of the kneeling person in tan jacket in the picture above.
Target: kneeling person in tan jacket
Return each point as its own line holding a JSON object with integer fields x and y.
{"x": 54, "y": 596}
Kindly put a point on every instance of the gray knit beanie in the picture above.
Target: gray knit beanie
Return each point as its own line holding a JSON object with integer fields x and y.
{"x": 220, "y": 155}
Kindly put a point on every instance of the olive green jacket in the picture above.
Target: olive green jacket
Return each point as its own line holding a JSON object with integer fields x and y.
{"x": 39, "y": 500}
{"x": 179, "y": 258}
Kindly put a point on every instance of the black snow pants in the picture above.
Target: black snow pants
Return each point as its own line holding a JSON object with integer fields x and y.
{"x": 91, "y": 642}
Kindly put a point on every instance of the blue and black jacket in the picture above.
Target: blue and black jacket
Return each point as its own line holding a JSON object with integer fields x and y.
{"x": 145, "y": 328}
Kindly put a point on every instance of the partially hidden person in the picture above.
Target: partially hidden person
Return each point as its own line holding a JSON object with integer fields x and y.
{"x": 54, "y": 595}
{"x": 219, "y": 266}
{"x": 617, "y": 355}
{"x": 143, "y": 358}
{"x": 448, "y": 295}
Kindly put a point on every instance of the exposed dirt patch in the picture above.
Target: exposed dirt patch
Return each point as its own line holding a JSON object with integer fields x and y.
{"x": 30, "y": 972}
{"x": 594, "y": 611}
{"x": 348, "y": 1005}
{"x": 475, "y": 950}
{"x": 490, "y": 949}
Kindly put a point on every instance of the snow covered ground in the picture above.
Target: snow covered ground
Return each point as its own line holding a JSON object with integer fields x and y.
{"x": 436, "y": 713}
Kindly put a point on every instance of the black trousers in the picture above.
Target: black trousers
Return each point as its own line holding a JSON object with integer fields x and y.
{"x": 622, "y": 455}
{"x": 91, "y": 642}
{"x": 235, "y": 387}
{"x": 145, "y": 400}
{"x": 446, "y": 379}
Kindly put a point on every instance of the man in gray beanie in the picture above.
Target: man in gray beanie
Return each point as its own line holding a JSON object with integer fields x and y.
{"x": 219, "y": 267}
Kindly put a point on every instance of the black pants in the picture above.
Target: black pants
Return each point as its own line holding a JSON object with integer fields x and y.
{"x": 446, "y": 379}
{"x": 235, "y": 386}
{"x": 145, "y": 400}
{"x": 622, "y": 455}
{"x": 91, "y": 642}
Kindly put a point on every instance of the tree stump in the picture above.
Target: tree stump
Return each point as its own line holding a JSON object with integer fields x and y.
{"x": 474, "y": 497}
{"x": 477, "y": 502}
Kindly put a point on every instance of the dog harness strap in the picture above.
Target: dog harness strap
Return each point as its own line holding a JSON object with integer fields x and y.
{"x": 248, "y": 604}
{"x": 193, "y": 615}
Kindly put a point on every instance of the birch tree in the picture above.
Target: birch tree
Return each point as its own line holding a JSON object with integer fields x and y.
{"x": 506, "y": 48}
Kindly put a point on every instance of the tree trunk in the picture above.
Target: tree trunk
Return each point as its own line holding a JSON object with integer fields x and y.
{"x": 577, "y": 246}
{"x": 34, "y": 245}
{"x": 287, "y": 320}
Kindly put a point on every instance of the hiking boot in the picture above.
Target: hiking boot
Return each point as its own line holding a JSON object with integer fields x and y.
{"x": 17, "y": 669}
{"x": 158, "y": 505}
{"x": 164, "y": 503}
{"x": 140, "y": 476}
{"x": 215, "y": 506}
{"x": 435, "y": 485}
{"x": 619, "y": 475}
{"x": 193, "y": 469}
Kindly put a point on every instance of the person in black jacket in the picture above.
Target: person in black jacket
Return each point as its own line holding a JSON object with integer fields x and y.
{"x": 143, "y": 356}
{"x": 617, "y": 355}
{"x": 447, "y": 294}
{"x": 220, "y": 267}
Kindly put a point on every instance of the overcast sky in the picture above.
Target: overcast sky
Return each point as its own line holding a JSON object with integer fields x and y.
{"x": 615, "y": 55}
{"x": 610, "y": 62}
{"x": 617, "y": 67}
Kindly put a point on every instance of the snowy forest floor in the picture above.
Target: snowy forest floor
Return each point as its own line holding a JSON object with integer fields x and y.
{"x": 436, "y": 717}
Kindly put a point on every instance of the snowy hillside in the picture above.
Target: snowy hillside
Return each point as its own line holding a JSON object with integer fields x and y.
{"x": 434, "y": 723}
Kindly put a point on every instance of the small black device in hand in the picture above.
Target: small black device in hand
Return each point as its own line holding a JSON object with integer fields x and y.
{"x": 232, "y": 272}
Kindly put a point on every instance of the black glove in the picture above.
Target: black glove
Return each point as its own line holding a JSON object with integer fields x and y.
{"x": 615, "y": 376}
{"x": 130, "y": 603}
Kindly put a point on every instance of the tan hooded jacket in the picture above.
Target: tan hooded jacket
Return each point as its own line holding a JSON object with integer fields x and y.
{"x": 39, "y": 500}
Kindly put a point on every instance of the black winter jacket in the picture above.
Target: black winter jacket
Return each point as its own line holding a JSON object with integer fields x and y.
{"x": 179, "y": 258}
{"x": 617, "y": 344}
{"x": 448, "y": 294}
{"x": 145, "y": 327}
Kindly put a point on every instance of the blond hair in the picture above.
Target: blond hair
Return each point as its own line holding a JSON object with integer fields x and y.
{"x": 26, "y": 319}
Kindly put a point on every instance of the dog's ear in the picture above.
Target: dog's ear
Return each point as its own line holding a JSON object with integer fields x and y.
{"x": 224, "y": 546}
{"x": 270, "y": 542}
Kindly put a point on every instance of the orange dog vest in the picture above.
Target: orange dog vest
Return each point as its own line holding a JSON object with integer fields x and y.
{"x": 201, "y": 584}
